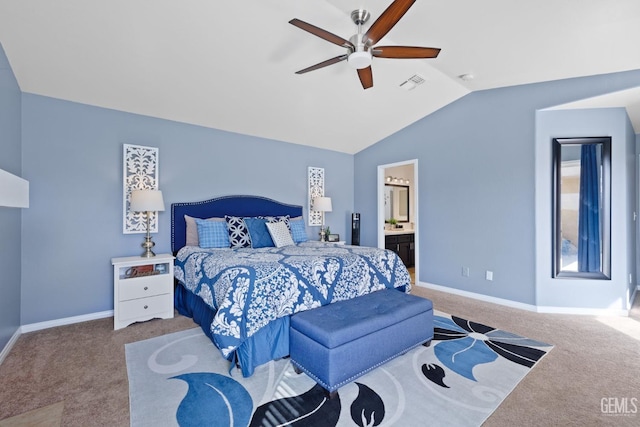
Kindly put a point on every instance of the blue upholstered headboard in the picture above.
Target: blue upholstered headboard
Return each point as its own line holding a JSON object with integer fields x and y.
{"x": 221, "y": 206}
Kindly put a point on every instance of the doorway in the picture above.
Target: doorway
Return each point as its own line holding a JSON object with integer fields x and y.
{"x": 397, "y": 221}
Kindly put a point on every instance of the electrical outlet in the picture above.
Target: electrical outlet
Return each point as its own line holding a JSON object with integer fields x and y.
{"x": 465, "y": 271}
{"x": 489, "y": 275}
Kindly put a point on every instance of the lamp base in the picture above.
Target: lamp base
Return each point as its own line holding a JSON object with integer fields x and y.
{"x": 147, "y": 245}
{"x": 323, "y": 234}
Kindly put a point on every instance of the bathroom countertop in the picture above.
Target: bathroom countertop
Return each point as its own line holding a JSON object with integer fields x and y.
{"x": 399, "y": 231}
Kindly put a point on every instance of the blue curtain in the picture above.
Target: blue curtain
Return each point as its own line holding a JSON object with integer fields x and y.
{"x": 589, "y": 211}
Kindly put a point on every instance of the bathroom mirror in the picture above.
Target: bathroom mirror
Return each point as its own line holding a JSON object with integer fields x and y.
{"x": 582, "y": 208}
{"x": 396, "y": 202}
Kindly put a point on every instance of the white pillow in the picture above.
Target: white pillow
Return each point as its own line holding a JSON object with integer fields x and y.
{"x": 280, "y": 233}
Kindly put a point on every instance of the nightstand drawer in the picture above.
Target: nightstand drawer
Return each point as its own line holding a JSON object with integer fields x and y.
{"x": 142, "y": 287}
{"x": 145, "y": 308}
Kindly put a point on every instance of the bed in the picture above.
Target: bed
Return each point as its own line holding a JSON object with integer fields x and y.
{"x": 243, "y": 297}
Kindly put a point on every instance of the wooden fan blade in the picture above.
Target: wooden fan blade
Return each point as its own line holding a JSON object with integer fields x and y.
{"x": 324, "y": 64}
{"x": 404, "y": 52}
{"x": 387, "y": 20}
{"x": 366, "y": 77}
{"x": 323, "y": 34}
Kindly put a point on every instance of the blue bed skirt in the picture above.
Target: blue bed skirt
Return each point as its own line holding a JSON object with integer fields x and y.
{"x": 269, "y": 343}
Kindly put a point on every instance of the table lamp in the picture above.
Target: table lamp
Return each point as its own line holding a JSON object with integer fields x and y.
{"x": 322, "y": 204}
{"x": 147, "y": 201}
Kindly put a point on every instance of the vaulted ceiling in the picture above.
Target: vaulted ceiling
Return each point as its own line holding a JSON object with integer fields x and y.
{"x": 231, "y": 65}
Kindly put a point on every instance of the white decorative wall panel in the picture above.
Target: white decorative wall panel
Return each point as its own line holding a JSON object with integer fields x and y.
{"x": 140, "y": 170}
{"x": 316, "y": 189}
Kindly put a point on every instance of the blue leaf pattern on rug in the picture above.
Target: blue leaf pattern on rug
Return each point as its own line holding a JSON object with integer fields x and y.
{"x": 434, "y": 373}
{"x": 213, "y": 400}
{"x": 463, "y": 354}
{"x": 311, "y": 408}
{"x": 368, "y": 408}
{"x": 459, "y": 337}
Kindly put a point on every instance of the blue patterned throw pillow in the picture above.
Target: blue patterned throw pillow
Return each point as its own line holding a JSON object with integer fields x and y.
{"x": 238, "y": 232}
{"x": 298, "y": 230}
{"x": 260, "y": 237}
{"x": 212, "y": 234}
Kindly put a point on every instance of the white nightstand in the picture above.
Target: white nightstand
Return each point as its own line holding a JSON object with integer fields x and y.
{"x": 142, "y": 289}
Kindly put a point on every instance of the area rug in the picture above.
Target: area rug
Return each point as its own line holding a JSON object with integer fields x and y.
{"x": 181, "y": 379}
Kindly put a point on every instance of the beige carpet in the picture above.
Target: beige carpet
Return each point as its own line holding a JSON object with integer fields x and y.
{"x": 83, "y": 366}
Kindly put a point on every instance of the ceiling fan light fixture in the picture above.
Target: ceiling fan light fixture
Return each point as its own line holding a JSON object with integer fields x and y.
{"x": 360, "y": 60}
{"x": 361, "y": 47}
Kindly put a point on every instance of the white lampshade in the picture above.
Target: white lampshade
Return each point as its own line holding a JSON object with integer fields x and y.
{"x": 146, "y": 200}
{"x": 322, "y": 204}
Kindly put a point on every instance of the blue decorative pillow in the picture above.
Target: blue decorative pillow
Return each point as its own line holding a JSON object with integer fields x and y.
{"x": 238, "y": 232}
{"x": 212, "y": 234}
{"x": 298, "y": 230}
{"x": 260, "y": 237}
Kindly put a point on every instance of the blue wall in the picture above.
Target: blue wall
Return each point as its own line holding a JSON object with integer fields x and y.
{"x": 477, "y": 183}
{"x": 10, "y": 242}
{"x": 72, "y": 156}
{"x": 613, "y": 294}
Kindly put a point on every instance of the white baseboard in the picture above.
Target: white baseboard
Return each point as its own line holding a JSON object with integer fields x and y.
{"x": 481, "y": 297}
{"x": 528, "y": 307}
{"x": 50, "y": 324}
{"x": 584, "y": 311}
{"x": 66, "y": 321}
{"x": 7, "y": 348}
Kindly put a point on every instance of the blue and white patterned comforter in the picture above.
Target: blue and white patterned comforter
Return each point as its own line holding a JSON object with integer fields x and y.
{"x": 251, "y": 287}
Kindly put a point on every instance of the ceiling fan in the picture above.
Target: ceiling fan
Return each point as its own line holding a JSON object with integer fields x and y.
{"x": 360, "y": 49}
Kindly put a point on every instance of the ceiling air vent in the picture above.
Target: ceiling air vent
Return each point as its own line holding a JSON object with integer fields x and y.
{"x": 412, "y": 82}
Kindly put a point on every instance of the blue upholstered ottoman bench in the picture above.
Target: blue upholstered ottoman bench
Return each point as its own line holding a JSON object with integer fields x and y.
{"x": 336, "y": 343}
